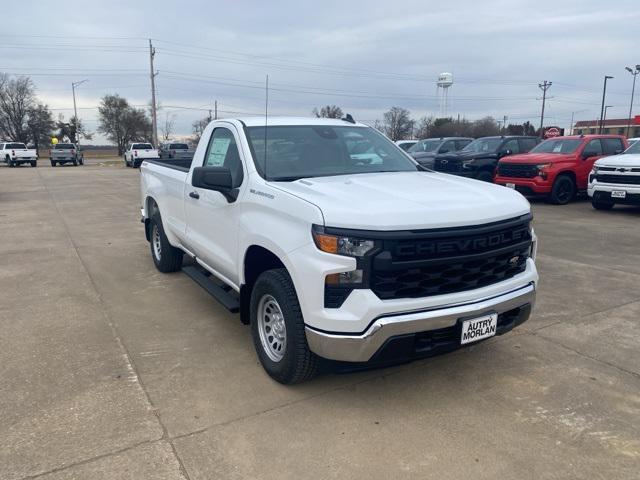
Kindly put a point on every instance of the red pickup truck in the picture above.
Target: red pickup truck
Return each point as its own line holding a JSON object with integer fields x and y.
{"x": 557, "y": 168}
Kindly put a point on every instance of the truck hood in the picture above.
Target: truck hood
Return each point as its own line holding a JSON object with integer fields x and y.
{"x": 535, "y": 158}
{"x": 628, "y": 160}
{"x": 406, "y": 200}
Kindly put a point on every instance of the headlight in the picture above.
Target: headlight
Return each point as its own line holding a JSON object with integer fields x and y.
{"x": 350, "y": 247}
{"x": 542, "y": 167}
{"x": 595, "y": 169}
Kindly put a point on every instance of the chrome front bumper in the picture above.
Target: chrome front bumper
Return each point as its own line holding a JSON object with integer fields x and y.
{"x": 362, "y": 347}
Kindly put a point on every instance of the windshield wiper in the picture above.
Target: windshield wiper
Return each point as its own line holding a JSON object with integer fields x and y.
{"x": 285, "y": 179}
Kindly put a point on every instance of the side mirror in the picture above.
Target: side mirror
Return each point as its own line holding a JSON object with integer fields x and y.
{"x": 215, "y": 178}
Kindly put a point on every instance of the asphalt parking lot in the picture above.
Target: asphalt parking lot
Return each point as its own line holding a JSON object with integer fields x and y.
{"x": 112, "y": 370}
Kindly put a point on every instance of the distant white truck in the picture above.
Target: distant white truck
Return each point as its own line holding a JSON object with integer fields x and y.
{"x": 616, "y": 179}
{"x": 14, "y": 154}
{"x": 137, "y": 152}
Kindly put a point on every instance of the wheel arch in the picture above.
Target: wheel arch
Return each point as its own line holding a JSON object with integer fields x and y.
{"x": 257, "y": 259}
{"x": 150, "y": 207}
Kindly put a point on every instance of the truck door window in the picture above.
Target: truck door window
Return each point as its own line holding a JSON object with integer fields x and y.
{"x": 527, "y": 144}
{"x": 511, "y": 145}
{"x": 222, "y": 151}
{"x": 448, "y": 146}
{"x": 612, "y": 146}
{"x": 595, "y": 147}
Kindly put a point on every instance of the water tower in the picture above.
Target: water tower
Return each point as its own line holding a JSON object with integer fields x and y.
{"x": 445, "y": 80}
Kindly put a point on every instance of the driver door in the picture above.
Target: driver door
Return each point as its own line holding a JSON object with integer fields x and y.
{"x": 212, "y": 221}
{"x": 585, "y": 164}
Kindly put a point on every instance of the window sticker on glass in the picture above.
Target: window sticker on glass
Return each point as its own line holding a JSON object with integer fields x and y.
{"x": 218, "y": 152}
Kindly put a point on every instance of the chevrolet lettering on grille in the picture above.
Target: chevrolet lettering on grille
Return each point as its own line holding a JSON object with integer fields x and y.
{"x": 462, "y": 245}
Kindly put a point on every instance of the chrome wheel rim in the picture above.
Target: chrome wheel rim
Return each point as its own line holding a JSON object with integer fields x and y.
{"x": 271, "y": 328}
{"x": 157, "y": 246}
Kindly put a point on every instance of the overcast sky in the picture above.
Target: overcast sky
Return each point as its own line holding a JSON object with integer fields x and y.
{"x": 364, "y": 56}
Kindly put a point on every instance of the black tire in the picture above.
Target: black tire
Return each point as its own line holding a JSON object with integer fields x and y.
{"x": 75, "y": 163}
{"x": 298, "y": 363}
{"x": 12, "y": 164}
{"x": 485, "y": 176}
{"x": 34, "y": 164}
{"x": 167, "y": 258}
{"x": 126, "y": 163}
{"x": 53, "y": 164}
{"x": 563, "y": 190}
{"x": 81, "y": 161}
{"x": 599, "y": 205}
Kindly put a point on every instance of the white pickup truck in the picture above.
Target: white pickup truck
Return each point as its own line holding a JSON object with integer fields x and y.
{"x": 14, "y": 154}
{"x": 330, "y": 254}
{"x": 616, "y": 179}
{"x": 137, "y": 152}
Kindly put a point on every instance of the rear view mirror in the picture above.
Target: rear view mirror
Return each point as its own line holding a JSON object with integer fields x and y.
{"x": 215, "y": 178}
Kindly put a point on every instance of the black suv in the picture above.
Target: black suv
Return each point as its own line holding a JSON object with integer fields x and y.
{"x": 427, "y": 150}
{"x": 480, "y": 158}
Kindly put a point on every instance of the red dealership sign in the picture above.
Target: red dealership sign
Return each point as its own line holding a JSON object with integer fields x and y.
{"x": 551, "y": 132}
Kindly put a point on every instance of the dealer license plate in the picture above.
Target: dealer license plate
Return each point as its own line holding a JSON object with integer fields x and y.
{"x": 618, "y": 194}
{"x": 479, "y": 328}
{"x": 510, "y": 185}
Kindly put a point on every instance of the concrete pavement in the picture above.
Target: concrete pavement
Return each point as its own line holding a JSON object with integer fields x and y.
{"x": 109, "y": 369}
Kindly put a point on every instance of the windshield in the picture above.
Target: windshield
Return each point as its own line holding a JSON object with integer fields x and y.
{"x": 426, "y": 146}
{"x": 483, "y": 145}
{"x": 557, "y": 145}
{"x": 634, "y": 148}
{"x": 142, "y": 146}
{"x": 15, "y": 145}
{"x": 317, "y": 151}
{"x": 64, "y": 146}
{"x": 179, "y": 146}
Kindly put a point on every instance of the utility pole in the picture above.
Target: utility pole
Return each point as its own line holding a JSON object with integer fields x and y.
{"x": 544, "y": 86}
{"x": 75, "y": 110}
{"x": 504, "y": 122}
{"x": 633, "y": 91}
{"x": 215, "y": 107}
{"x": 604, "y": 94}
{"x": 154, "y": 119}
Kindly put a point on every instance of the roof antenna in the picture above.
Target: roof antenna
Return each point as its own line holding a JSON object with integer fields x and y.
{"x": 266, "y": 116}
{"x": 348, "y": 118}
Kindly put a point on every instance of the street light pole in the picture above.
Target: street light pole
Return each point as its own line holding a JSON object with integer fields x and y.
{"x": 633, "y": 91}
{"x": 604, "y": 93}
{"x": 604, "y": 119}
{"x": 75, "y": 110}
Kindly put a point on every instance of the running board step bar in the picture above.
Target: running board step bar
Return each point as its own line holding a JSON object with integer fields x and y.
{"x": 221, "y": 292}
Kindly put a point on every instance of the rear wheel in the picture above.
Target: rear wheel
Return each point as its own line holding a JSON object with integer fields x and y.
{"x": 53, "y": 164}
{"x": 81, "y": 161}
{"x": 33, "y": 164}
{"x": 12, "y": 164}
{"x": 75, "y": 163}
{"x": 166, "y": 257}
{"x": 600, "y": 205}
{"x": 278, "y": 331}
{"x": 563, "y": 191}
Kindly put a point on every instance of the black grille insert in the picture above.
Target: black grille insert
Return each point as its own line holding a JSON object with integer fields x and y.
{"x": 517, "y": 170}
{"x": 437, "y": 262}
{"x": 619, "y": 179}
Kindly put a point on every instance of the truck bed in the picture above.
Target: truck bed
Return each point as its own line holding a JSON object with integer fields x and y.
{"x": 181, "y": 164}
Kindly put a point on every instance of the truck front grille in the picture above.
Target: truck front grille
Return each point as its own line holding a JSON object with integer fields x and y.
{"x": 436, "y": 262}
{"x": 517, "y": 170}
{"x": 449, "y": 166}
{"x": 619, "y": 179}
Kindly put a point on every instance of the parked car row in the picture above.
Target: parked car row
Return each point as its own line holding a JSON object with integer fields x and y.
{"x": 62, "y": 153}
{"x": 556, "y": 169}
{"x": 138, "y": 152}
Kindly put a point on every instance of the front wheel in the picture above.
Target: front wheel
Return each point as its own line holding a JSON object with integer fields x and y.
{"x": 166, "y": 257}
{"x": 599, "y": 205}
{"x": 33, "y": 164}
{"x": 278, "y": 331}
{"x": 563, "y": 190}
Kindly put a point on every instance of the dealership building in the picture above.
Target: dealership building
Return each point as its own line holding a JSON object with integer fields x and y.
{"x": 614, "y": 126}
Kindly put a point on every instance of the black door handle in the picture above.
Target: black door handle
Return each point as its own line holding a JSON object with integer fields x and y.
{"x": 195, "y": 195}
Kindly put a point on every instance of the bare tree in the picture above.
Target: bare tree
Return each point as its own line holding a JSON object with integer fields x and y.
{"x": 72, "y": 130}
{"x": 17, "y": 97}
{"x": 485, "y": 127}
{"x": 397, "y": 123}
{"x": 167, "y": 128}
{"x": 198, "y": 128}
{"x": 121, "y": 123}
{"x": 328, "y": 111}
{"x": 423, "y": 127}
